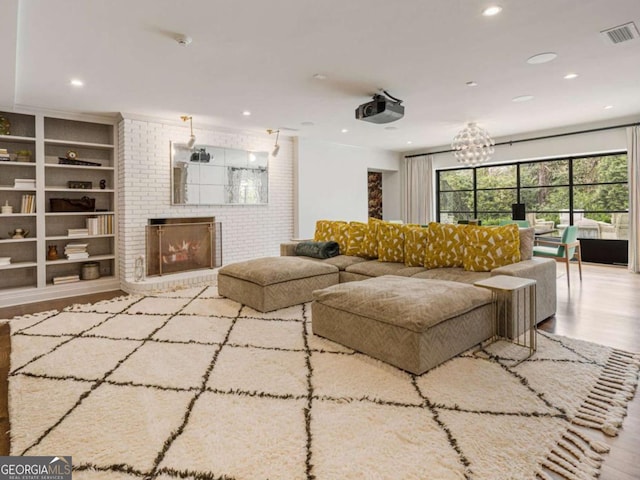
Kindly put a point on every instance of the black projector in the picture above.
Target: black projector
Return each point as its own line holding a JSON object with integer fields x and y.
{"x": 380, "y": 110}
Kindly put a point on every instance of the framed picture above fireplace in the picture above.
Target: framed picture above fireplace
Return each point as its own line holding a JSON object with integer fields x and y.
{"x": 210, "y": 175}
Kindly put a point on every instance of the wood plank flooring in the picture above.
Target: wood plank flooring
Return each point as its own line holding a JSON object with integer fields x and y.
{"x": 603, "y": 308}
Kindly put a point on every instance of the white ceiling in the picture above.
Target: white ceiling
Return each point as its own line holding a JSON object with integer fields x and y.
{"x": 262, "y": 55}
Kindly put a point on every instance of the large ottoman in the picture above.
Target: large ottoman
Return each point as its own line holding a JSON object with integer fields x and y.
{"x": 414, "y": 324}
{"x": 270, "y": 283}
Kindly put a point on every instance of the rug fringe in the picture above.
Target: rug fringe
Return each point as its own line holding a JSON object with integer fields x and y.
{"x": 574, "y": 457}
{"x": 606, "y": 405}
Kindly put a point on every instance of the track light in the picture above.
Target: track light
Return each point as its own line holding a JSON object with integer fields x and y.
{"x": 192, "y": 138}
{"x": 276, "y": 147}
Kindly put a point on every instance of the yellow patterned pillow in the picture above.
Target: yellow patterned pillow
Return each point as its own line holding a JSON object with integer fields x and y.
{"x": 491, "y": 247}
{"x": 357, "y": 233}
{"x": 326, "y": 230}
{"x": 445, "y": 245}
{"x": 341, "y": 235}
{"x": 390, "y": 242}
{"x": 370, "y": 248}
{"x": 415, "y": 245}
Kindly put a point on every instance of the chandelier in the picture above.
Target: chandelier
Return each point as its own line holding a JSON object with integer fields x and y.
{"x": 472, "y": 145}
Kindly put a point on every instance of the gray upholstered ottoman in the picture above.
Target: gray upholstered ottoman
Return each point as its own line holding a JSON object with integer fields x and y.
{"x": 271, "y": 283}
{"x": 414, "y": 324}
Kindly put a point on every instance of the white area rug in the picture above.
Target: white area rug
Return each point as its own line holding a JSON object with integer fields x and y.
{"x": 190, "y": 385}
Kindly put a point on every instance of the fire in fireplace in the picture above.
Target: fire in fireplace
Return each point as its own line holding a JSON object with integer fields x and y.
{"x": 183, "y": 244}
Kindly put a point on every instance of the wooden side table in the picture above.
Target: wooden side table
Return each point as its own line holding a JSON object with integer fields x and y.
{"x": 514, "y": 310}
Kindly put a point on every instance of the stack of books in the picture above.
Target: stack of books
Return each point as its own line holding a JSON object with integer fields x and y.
{"x": 4, "y": 155}
{"x": 76, "y": 251}
{"x": 28, "y": 204}
{"x": 77, "y": 232}
{"x": 66, "y": 279}
{"x": 5, "y": 261}
{"x": 100, "y": 225}
{"x": 25, "y": 183}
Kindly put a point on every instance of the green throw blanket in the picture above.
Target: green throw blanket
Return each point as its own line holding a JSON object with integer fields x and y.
{"x": 318, "y": 249}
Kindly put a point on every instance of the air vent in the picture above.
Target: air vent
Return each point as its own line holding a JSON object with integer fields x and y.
{"x": 621, "y": 33}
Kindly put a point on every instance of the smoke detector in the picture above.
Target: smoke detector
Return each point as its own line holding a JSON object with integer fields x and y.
{"x": 621, "y": 33}
{"x": 183, "y": 40}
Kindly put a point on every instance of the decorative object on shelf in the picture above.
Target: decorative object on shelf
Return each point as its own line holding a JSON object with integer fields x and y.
{"x": 276, "y": 147}
{"x": 90, "y": 271}
{"x": 52, "y": 252}
{"x": 23, "y": 156}
{"x": 6, "y": 208}
{"x": 473, "y": 145}
{"x": 103, "y": 184}
{"x": 19, "y": 233}
{"x": 192, "y": 137}
{"x": 80, "y": 185}
{"x": 70, "y": 161}
{"x": 5, "y": 126}
{"x": 84, "y": 204}
{"x": 4, "y": 155}
{"x": 71, "y": 155}
{"x": 200, "y": 156}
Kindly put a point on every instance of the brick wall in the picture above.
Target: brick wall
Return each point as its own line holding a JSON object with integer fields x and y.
{"x": 144, "y": 192}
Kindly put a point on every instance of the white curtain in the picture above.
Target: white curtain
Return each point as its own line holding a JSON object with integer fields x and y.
{"x": 417, "y": 185}
{"x": 633, "y": 154}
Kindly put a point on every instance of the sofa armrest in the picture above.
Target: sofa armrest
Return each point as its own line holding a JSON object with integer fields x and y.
{"x": 288, "y": 249}
{"x": 543, "y": 271}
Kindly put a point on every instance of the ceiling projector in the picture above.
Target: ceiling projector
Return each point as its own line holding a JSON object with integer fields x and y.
{"x": 381, "y": 109}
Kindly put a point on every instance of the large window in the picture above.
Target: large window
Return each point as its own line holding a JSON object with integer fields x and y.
{"x": 590, "y": 192}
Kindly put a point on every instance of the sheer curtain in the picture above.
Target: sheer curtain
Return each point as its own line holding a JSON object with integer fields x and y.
{"x": 417, "y": 185}
{"x": 633, "y": 153}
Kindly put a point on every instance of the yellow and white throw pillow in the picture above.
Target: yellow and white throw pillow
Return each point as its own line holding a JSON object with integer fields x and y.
{"x": 491, "y": 247}
{"x": 341, "y": 235}
{"x": 415, "y": 245}
{"x": 370, "y": 248}
{"x": 390, "y": 242}
{"x": 357, "y": 234}
{"x": 445, "y": 245}
{"x": 326, "y": 230}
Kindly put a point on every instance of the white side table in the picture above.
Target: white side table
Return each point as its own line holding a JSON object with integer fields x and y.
{"x": 514, "y": 310}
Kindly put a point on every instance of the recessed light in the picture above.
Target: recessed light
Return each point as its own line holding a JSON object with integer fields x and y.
{"x": 307, "y": 124}
{"x": 542, "y": 58}
{"x": 246, "y": 113}
{"x": 491, "y": 11}
{"x": 320, "y": 76}
{"x": 390, "y": 128}
{"x": 608, "y": 107}
{"x": 471, "y": 84}
{"x": 570, "y": 76}
{"x": 77, "y": 83}
{"x": 344, "y": 130}
{"x": 409, "y": 142}
{"x": 522, "y": 98}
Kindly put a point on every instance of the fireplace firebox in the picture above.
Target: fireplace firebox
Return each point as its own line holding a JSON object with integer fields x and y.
{"x": 182, "y": 244}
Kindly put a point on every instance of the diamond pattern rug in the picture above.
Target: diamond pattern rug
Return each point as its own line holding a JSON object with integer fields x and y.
{"x": 192, "y": 385}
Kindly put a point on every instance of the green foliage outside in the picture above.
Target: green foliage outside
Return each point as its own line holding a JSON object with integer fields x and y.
{"x": 599, "y": 188}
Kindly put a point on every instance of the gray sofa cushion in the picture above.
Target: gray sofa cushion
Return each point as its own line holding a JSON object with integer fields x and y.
{"x": 272, "y": 270}
{"x": 374, "y": 268}
{"x": 453, "y": 274}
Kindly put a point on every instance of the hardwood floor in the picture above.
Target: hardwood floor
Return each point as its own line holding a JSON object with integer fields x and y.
{"x": 603, "y": 308}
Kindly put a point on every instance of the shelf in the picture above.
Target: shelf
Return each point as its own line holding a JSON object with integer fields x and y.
{"x": 4, "y": 163}
{"x": 70, "y": 214}
{"x": 13, "y": 266}
{"x": 77, "y": 167}
{"x": 14, "y": 189}
{"x": 102, "y": 279}
{"x": 16, "y": 139}
{"x": 92, "y": 258}
{"x": 18, "y": 240}
{"x": 78, "y": 237}
{"x": 78, "y": 190}
{"x": 71, "y": 143}
{"x": 6, "y": 215}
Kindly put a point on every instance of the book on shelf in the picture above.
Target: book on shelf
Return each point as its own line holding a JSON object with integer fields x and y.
{"x": 77, "y": 232}
{"x": 100, "y": 225}
{"x": 24, "y": 183}
{"x": 76, "y": 251}
{"x": 66, "y": 279}
{"x": 28, "y": 204}
{"x": 77, "y": 256}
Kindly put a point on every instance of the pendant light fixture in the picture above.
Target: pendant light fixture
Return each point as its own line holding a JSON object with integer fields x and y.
{"x": 473, "y": 145}
{"x": 192, "y": 137}
{"x": 276, "y": 147}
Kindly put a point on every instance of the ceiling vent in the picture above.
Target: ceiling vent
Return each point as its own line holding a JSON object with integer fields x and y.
{"x": 621, "y": 33}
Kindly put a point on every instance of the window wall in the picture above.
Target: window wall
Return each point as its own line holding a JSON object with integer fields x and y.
{"x": 590, "y": 192}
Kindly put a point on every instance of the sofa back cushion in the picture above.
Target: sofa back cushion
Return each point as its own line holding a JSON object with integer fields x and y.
{"x": 491, "y": 247}
{"x": 390, "y": 242}
{"x": 445, "y": 245}
{"x": 415, "y": 245}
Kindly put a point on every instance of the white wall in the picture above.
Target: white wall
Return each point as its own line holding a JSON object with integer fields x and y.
{"x": 145, "y": 192}
{"x": 331, "y": 183}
